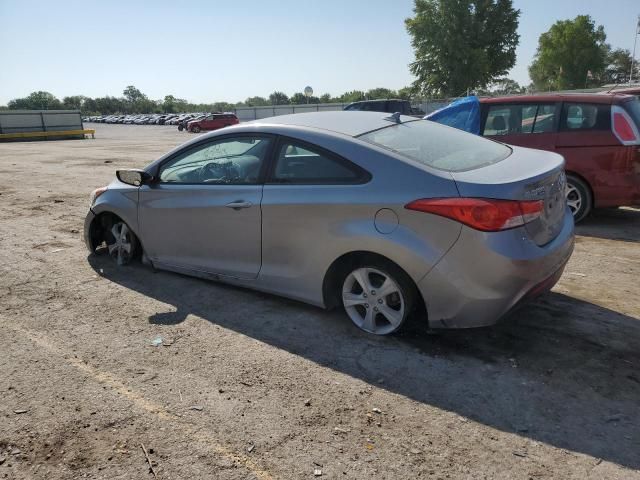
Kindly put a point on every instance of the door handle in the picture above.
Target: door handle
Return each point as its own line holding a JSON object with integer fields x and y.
{"x": 238, "y": 204}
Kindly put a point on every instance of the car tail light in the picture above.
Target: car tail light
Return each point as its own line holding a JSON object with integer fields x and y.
{"x": 624, "y": 128}
{"x": 485, "y": 214}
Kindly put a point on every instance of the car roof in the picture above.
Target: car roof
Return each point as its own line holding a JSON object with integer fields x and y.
{"x": 379, "y": 100}
{"x": 624, "y": 91}
{"x": 559, "y": 97}
{"x": 344, "y": 122}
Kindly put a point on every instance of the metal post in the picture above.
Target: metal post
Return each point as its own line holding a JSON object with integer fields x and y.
{"x": 633, "y": 57}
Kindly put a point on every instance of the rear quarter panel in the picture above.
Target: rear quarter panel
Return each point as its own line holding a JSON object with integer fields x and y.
{"x": 603, "y": 162}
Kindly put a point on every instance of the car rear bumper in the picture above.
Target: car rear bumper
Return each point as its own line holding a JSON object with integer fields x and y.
{"x": 485, "y": 275}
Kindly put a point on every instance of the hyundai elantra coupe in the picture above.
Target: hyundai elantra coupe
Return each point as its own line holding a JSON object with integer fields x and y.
{"x": 392, "y": 218}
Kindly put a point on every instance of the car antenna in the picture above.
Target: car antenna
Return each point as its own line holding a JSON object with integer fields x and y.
{"x": 614, "y": 87}
{"x": 394, "y": 117}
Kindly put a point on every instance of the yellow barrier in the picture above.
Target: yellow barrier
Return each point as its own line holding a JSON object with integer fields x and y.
{"x": 62, "y": 133}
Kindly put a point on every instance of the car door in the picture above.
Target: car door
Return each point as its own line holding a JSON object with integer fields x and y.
{"x": 532, "y": 125}
{"x": 203, "y": 211}
{"x": 207, "y": 123}
{"x": 303, "y": 204}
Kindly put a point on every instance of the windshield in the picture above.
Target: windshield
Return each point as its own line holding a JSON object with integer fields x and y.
{"x": 437, "y": 146}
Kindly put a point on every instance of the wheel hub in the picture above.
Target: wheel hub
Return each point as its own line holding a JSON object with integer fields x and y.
{"x": 382, "y": 312}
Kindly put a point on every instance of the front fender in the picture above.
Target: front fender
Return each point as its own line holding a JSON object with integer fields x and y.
{"x": 121, "y": 201}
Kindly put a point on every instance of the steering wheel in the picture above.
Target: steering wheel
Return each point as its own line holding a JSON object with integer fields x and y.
{"x": 219, "y": 172}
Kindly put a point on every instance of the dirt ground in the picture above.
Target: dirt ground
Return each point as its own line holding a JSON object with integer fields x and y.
{"x": 251, "y": 386}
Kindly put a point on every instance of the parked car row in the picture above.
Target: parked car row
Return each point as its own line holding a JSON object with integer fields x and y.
{"x": 192, "y": 122}
{"x": 141, "y": 119}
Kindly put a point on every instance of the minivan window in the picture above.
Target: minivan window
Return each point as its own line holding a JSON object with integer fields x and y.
{"x": 585, "y": 116}
{"x": 522, "y": 118}
{"x": 438, "y": 146}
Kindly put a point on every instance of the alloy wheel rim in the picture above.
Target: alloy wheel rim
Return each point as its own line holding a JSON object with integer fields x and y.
{"x": 373, "y": 301}
{"x": 574, "y": 199}
{"x": 121, "y": 248}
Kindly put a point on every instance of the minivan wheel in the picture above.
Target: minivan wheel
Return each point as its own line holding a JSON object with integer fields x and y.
{"x": 579, "y": 198}
{"x": 121, "y": 243}
{"x": 180, "y": 127}
{"x": 378, "y": 298}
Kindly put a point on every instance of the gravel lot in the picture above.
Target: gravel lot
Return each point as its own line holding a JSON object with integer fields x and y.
{"x": 248, "y": 385}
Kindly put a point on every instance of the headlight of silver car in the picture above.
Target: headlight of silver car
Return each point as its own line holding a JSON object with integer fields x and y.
{"x": 95, "y": 194}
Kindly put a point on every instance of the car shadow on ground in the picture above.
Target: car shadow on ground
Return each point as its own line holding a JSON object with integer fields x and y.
{"x": 612, "y": 224}
{"x": 560, "y": 371}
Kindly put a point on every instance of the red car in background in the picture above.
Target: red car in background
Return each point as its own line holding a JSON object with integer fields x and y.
{"x": 213, "y": 121}
{"x": 598, "y": 134}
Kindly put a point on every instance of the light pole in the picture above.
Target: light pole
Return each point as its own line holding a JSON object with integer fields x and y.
{"x": 633, "y": 57}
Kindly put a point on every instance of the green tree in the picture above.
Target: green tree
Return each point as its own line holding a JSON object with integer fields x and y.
{"x": 257, "y": 102}
{"x": 169, "y": 104}
{"x": 461, "y": 44}
{"x": 222, "y": 107}
{"x": 132, "y": 94}
{"x": 279, "y": 98}
{"x": 571, "y": 54}
{"x": 406, "y": 93}
{"x": 352, "y": 96}
{"x": 89, "y": 106}
{"x": 299, "y": 98}
{"x": 36, "y": 101}
{"x": 502, "y": 86}
{"x": 74, "y": 102}
{"x": 326, "y": 98}
{"x": 619, "y": 67}
{"x": 380, "y": 93}
{"x": 108, "y": 105}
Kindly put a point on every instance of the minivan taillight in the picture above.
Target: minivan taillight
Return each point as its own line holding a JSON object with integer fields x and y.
{"x": 485, "y": 214}
{"x": 624, "y": 128}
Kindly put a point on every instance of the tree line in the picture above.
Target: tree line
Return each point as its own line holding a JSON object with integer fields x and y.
{"x": 135, "y": 101}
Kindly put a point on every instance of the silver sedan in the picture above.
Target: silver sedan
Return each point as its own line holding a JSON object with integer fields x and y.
{"x": 394, "y": 219}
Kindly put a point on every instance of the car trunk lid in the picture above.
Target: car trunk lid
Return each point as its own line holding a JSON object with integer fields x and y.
{"x": 525, "y": 175}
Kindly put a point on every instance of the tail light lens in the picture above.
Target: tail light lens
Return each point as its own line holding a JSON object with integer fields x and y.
{"x": 624, "y": 127}
{"x": 485, "y": 214}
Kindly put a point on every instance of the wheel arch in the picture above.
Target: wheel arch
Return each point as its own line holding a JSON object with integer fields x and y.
{"x": 102, "y": 223}
{"x": 586, "y": 182}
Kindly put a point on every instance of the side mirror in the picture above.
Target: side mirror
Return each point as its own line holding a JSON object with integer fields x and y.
{"x": 133, "y": 177}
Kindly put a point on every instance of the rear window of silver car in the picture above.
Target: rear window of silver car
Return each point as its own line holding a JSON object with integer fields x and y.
{"x": 437, "y": 146}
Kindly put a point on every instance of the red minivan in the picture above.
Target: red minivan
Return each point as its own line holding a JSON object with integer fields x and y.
{"x": 213, "y": 121}
{"x": 597, "y": 134}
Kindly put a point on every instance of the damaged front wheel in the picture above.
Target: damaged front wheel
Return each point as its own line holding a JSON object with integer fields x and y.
{"x": 122, "y": 243}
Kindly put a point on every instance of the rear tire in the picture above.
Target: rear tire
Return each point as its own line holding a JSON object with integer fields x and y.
{"x": 377, "y": 296}
{"x": 180, "y": 127}
{"x": 579, "y": 198}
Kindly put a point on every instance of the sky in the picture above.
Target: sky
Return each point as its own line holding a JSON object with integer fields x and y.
{"x": 229, "y": 50}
